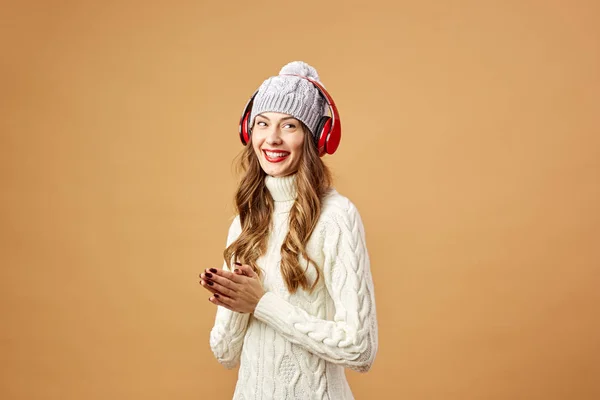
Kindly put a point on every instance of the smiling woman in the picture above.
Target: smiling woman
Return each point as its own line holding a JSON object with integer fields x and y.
{"x": 277, "y": 140}
{"x": 295, "y": 297}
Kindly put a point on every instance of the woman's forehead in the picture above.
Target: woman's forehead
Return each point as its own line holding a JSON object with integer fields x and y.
{"x": 276, "y": 116}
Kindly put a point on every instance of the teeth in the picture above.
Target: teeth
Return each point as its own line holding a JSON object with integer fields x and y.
{"x": 275, "y": 155}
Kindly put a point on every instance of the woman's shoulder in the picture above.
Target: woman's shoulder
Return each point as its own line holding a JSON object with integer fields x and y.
{"x": 235, "y": 228}
{"x": 339, "y": 216}
{"x": 337, "y": 205}
{"x": 235, "y": 222}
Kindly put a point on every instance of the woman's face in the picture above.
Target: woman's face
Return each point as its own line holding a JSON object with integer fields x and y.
{"x": 277, "y": 140}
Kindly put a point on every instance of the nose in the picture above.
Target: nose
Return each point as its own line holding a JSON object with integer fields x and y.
{"x": 274, "y": 136}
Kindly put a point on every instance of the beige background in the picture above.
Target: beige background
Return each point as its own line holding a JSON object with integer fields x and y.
{"x": 471, "y": 148}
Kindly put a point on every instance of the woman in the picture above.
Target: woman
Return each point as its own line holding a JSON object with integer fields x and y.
{"x": 299, "y": 305}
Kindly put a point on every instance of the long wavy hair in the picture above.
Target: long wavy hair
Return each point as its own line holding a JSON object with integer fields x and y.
{"x": 254, "y": 204}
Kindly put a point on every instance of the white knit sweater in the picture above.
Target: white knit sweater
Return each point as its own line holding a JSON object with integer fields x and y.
{"x": 295, "y": 346}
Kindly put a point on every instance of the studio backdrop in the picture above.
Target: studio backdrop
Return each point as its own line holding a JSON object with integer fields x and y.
{"x": 470, "y": 146}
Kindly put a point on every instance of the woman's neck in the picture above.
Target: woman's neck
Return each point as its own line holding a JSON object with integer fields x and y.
{"x": 282, "y": 188}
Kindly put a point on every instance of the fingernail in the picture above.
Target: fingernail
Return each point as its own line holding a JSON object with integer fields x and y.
{"x": 208, "y": 274}
{"x": 210, "y": 283}
{"x": 237, "y": 271}
{"x": 213, "y": 270}
{"x": 237, "y": 263}
{"x": 216, "y": 295}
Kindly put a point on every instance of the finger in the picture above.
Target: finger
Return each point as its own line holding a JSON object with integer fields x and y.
{"x": 222, "y": 301}
{"x": 219, "y": 288}
{"x": 237, "y": 270}
{"x": 212, "y": 277}
{"x": 206, "y": 275}
{"x": 224, "y": 274}
{"x": 208, "y": 285}
{"x": 246, "y": 270}
{"x": 207, "y": 281}
{"x": 217, "y": 301}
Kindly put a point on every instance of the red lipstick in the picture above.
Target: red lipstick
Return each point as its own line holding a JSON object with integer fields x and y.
{"x": 275, "y": 159}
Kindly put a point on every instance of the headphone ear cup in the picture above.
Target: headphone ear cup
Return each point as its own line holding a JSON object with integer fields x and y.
{"x": 244, "y": 128}
{"x": 322, "y": 131}
{"x": 334, "y": 136}
{"x": 245, "y": 131}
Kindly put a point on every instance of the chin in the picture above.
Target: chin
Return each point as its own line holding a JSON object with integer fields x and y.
{"x": 277, "y": 172}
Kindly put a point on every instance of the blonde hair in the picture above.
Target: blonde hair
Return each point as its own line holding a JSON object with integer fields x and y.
{"x": 254, "y": 204}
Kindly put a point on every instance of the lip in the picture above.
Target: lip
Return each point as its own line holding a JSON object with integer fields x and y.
{"x": 276, "y": 159}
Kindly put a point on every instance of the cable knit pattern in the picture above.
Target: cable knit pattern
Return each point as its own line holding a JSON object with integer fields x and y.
{"x": 296, "y": 346}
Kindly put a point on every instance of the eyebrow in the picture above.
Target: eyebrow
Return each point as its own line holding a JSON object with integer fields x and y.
{"x": 282, "y": 119}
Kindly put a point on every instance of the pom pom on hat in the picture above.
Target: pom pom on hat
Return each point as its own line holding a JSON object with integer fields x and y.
{"x": 300, "y": 68}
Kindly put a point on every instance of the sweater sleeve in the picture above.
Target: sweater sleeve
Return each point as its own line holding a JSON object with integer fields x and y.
{"x": 227, "y": 334}
{"x": 350, "y": 339}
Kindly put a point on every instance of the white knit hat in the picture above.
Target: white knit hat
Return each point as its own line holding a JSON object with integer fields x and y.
{"x": 291, "y": 95}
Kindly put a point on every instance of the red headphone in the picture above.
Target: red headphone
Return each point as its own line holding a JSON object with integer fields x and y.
{"x": 329, "y": 129}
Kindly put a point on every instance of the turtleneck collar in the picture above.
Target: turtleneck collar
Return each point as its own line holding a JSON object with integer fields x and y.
{"x": 282, "y": 189}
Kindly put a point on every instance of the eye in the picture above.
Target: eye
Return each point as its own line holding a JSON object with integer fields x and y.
{"x": 261, "y": 123}
{"x": 292, "y": 126}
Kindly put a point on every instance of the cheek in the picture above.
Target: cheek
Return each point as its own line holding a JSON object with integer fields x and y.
{"x": 256, "y": 142}
{"x": 297, "y": 145}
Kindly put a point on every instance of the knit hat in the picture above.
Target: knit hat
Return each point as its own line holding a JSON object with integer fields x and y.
{"x": 291, "y": 95}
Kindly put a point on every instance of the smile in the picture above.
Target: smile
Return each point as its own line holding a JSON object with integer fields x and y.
{"x": 275, "y": 156}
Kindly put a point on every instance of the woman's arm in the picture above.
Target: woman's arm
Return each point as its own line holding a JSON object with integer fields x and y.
{"x": 227, "y": 334}
{"x": 351, "y": 338}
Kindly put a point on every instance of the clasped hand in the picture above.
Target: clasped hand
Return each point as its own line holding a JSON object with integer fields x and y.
{"x": 238, "y": 291}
